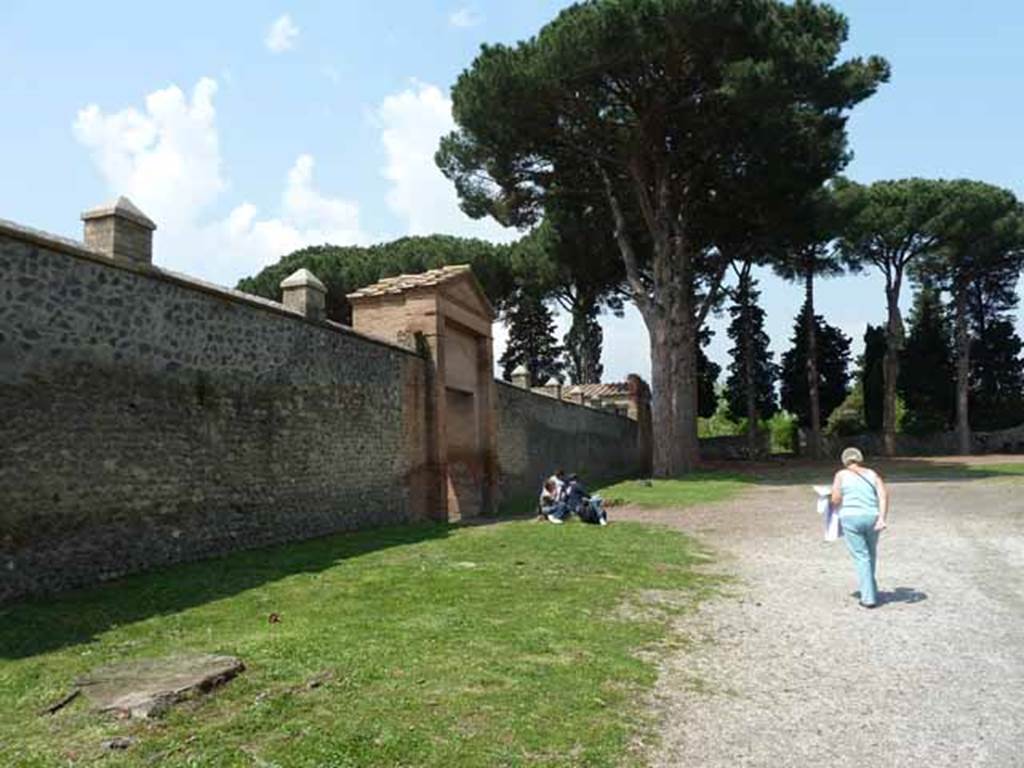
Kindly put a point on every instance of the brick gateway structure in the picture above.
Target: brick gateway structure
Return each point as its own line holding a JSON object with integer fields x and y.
{"x": 148, "y": 418}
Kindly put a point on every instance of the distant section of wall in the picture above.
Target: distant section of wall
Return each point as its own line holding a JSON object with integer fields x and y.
{"x": 938, "y": 444}
{"x": 537, "y": 434}
{"x": 732, "y": 447}
{"x": 147, "y": 419}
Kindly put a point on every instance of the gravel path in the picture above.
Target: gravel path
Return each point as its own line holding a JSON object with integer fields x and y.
{"x": 791, "y": 672}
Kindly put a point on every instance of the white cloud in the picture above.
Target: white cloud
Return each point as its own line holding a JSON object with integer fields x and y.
{"x": 413, "y": 122}
{"x": 167, "y": 160}
{"x": 281, "y": 35}
{"x": 465, "y": 17}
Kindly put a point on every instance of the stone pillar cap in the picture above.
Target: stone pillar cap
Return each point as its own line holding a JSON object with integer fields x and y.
{"x": 553, "y": 382}
{"x": 122, "y": 207}
{"x": 521, "y": 370}
{"x": 303, "y": 278}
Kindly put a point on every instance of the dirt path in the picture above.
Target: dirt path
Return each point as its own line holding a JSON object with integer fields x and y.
{"x": 791, "y": 672}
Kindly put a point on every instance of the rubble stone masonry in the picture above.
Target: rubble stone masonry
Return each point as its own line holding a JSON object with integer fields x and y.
{"x": 147, "y": 419}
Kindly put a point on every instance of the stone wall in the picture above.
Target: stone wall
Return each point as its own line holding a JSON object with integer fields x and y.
{"x": 938, "y": 444}
{"x": 146, "y": 418}
{"x": 730, "y": 447}
{"x": 537, "y": 434}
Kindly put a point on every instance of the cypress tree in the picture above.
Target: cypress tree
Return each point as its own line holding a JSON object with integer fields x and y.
{"x": 752, "y": 372}
{"x": 926, "y": 381}
{"x": 997, "y": 377}
{"x": 833, "y": 364}
{"x": 531, "y": 339}
{"x": 583, "y": 347}
{"x": 872, "y": 376}
{"x": 707, "y": 377}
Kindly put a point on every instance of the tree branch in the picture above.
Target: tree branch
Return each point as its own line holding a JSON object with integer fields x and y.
{"x": 638, "y": 289}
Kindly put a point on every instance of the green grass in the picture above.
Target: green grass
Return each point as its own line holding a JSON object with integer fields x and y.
{"x": 998, "y": 469}
{"x": 698, "y": 488}
{"x": 495, "y": 645}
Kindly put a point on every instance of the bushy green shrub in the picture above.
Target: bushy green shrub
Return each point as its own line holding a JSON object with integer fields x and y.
{"x": 782, "y": 429}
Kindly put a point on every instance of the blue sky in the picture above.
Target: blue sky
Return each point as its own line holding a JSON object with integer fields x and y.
{"x": 248, "y": 129}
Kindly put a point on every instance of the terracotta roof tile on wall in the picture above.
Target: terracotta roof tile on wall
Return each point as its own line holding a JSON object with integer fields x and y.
{"x": 593, "y": 391}
{"x": 391, "y": 286}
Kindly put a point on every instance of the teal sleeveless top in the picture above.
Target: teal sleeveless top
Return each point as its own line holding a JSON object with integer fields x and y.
{"x": 860, "y": 494}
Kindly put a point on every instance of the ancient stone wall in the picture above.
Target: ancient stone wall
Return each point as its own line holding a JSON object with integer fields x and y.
{"x": 537, "y": 434}
{"x": 937, "y": 444}
{"x": 146, "y": 418}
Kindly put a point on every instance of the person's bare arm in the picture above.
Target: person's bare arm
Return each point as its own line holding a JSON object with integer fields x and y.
{"x": 883, "y": 504}
{"x": 837, "y": 491}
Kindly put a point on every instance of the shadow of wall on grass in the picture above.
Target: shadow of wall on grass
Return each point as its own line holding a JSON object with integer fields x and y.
{"x": 42, "y": 624}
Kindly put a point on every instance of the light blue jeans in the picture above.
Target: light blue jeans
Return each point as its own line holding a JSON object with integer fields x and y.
{"x": 862, "y": 541}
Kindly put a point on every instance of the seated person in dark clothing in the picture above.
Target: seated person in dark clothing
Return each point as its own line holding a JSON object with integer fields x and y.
{"x": 588, "y": 508}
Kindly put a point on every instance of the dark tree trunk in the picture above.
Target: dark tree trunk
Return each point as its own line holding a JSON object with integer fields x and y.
{"x": 673, "y": 329}
{"x": 750, "y": 385}
{"x": 674, "y": 404}
{"x": 891, "y": 366}
{"x": 814, "y": 400}
{"x": 963, "y": 367}
{"x": 668, "y": 304}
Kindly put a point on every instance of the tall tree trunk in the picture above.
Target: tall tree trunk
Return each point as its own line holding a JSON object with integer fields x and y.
{"x": 753, "y": 449}
{"x": 673, "y": 329}
{"x": 963, "y": 366}
{"x": 891, "y": 366}
{"x": 814, "y": 400}
{"x": 674, "y": 402}
{"x": 667, "y": 302}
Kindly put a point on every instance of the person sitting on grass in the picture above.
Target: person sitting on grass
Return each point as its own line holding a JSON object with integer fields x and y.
{"x": 589, "y": 509}
{"x": 559, "y": 480}
{"x": 551, "y": 506}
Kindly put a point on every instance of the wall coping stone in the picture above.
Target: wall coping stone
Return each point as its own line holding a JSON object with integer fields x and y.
{"x": 78, "y": 249}
{"x": 122, "y": 207}
{"x": 303, "y": 278}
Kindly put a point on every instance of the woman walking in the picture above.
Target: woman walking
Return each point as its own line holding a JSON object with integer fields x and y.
{"x": 863, "y": 502}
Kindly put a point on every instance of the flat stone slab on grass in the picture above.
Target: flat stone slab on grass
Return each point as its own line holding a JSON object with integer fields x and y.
{"x": 147, "y": 687}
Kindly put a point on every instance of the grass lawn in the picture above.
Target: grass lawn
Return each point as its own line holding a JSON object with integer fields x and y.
{"x": 496, "y": 645}
{"x": 999, "y": 469}
{"x": 698, "y": 488}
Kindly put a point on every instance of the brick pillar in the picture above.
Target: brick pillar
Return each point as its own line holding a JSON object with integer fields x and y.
{"x": 640, "y": 411}
{"x": 120, "y": 231}
{"x": 303, "y": 292}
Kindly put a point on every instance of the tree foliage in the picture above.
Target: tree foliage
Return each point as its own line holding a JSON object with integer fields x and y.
{"x": 750, "y": 339}
{"x": 833, "y": 366}
{"x": 571, "y": 259}
{"x": 997, "y": 377}
{"x": 872, "y": 376}
{"x": 890, "y": 226}
{"x": 926, "y": 367}
{"x": 682, "y": 124}
{"x": 708, "y": 372}
{"x": 344, "y": 269}
{"x": 531, "y": 340}
{"x": 981, "y": 237}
